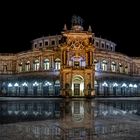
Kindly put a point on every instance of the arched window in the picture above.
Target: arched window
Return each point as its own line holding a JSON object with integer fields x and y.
{"x": 20, "y": 67}
{"x": 96, "y": 64}
{"x": 104, "y": 65}
{"x": 57, "y": 64}
{"x": 124, "y": 85}
{"x": 10, "y": 88}
{"x": 105, "y": 84}
{"x": 123, "y": 89}
{"x": 57, "y": 82}
{"x": 95, "y": 83}
{"x": 105, "y": 88}
{"x": 27, "y": 66}
{"x": 16, "y": 88}
{"x": 113, "y": 67}
{"x": 135, "y": 88}
{"x": 120, "y": 68}
{"x": 36, "y": 65}
{"x": 115, "y": 85}
{"x": 46, "y": 64}
{"x": 4, "y": 67}
{"x": 35, "y": 84}
{"x": 115, "y": 88}
{"x": 48, "y": 88}
{"x": 57, "y": 87}
{"x": 83, "y": 62}
{"x": 25, "y": 84}
{"x": 126, "y": 69}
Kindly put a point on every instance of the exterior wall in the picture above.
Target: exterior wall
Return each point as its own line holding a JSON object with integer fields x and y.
{"x": 113, "y": 62}
{"x": 103, "y": 44}
{"x": 136, "y": 65}
{"x": 51, "y": 42}
{"x": 7, "y": 63}
{"x": 41, "y": 56}
{"x": 39, "y": 71}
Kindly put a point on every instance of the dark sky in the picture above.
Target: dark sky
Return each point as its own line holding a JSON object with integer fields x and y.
{"x": 22, "y": 21}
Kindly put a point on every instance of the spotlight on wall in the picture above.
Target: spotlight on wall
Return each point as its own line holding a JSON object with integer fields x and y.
{"x": 24, "y": 84}
{"x": 35, "y": 84}
{"x": 105, "y": 84}
{"x": 115, "y": 85}
{"x": 124, "y": 85}
{"x": 135, "y": 86}
{"x": 16, "y": 85}
{"x": 130, "y": 85}
{"x": 9, "y": 85}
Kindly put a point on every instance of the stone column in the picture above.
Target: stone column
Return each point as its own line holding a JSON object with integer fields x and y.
{"x": 67, "y": 58}
{"x": 23, "y": 66}
{"x": 91, "y": 58}
{"x": 86, "y": 58}
{"x": 41, "y": 63}
{"x": 109, "y": 65}
{"x": 100, "y": 64}
{"x": 62, "y": 61}
{"x": 52, "y": 61}
{"x": 64, "y": 57}
{"x": 31, "y": 64}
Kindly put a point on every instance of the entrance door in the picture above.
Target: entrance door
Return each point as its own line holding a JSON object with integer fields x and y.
{"x": 25, "y": 91}
{"x": 35, "y": 91}
{"x": 45, "y": 90}
{"x": 76, "y": 89}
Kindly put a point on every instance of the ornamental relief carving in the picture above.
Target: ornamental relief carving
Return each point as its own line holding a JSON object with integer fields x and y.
{"x": 77, "y": 54}
{"x": 78, "y": 72}
{"x": 78, "y": 43}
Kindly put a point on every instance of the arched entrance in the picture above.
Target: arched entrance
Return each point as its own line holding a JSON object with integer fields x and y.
{"x": 77, "y": 86}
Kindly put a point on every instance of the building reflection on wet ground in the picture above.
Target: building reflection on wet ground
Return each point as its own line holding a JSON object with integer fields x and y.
{"x": 69, "y": 119}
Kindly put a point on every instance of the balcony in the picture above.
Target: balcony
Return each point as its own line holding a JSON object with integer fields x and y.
{"x": 78, "y": 67}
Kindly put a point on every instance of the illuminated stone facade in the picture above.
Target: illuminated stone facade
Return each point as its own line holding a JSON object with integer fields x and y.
{"x": 75, "y": 63}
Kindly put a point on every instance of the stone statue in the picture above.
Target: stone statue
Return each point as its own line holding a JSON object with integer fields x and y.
{"x": 77, "y": 20}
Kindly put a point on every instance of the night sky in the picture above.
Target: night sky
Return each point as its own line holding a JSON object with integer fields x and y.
{"x": 22, "y": 22}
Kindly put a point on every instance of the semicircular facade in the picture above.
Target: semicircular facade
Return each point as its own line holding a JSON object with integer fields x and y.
{"x": 73, "y": 64}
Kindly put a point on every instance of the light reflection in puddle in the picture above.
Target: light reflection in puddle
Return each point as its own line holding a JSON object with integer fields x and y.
{"x": 70, "y": 119}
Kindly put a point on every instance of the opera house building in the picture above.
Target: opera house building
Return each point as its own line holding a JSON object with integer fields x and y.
{"x": 75, "y": 63}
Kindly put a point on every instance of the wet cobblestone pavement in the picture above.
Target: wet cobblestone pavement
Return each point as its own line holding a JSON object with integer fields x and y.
{"x": 71, "y": 119}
